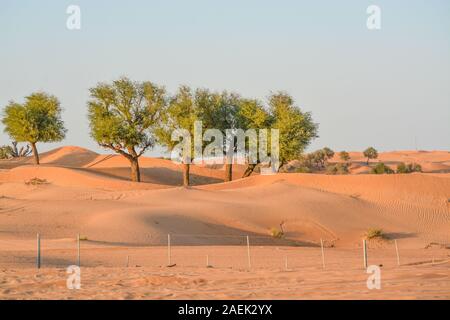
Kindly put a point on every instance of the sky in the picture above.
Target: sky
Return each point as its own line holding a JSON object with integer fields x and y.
{"x": 387, "y": 88}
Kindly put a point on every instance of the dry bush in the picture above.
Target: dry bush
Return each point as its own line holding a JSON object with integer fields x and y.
{"x": 276, "y": 233}
{"x": 36, "y": 181}
{"x": 375, "y": 233}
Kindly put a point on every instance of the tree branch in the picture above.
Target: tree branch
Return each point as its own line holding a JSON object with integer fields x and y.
{"x": 116, "y": 149}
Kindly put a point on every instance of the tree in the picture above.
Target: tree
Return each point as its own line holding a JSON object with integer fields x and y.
{"x": 37, "y": 120}
{"x": 220, "y": 111}
{"x": 227, "y": 119}
{"x": 370, "y": 153}
{"x": 320, "y": 157}
{"x": 181, "y": 114}
{"x": 252, "y": 115}
{"x": 297, "y": 128}
{"x": 123, "y": 116}
{"x": 344, "y": 155}
{"x": 329, "y": 154}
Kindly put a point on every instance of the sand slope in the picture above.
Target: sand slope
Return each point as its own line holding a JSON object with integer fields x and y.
{"x": 124, "y": 223}
{"x": 96, "y": 199}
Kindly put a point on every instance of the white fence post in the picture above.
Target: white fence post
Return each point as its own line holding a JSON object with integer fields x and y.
{"x": 38, "y": 253}
{"x": 248, "y": 252}
{"x": 78, "y": 251}
{"x": 398, "y": 254}
{"x": 323, "y": 254}
{"x": 169, "y": 258}
{"x": 365, "y": 253}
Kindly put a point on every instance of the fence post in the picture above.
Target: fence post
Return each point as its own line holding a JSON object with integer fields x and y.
{"x": 323, "y": 255}
{"x": 78, "y": 251}
{"x": 38, "y": 256}
{"x": 168, "y": 250}
{"x": 398, "y": 254}
{"x": 365, "y": 253}
{"x": 128, "y": 261}
{"x": 248, "y": 252}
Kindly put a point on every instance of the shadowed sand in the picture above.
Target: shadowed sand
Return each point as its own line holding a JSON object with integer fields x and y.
{"x": 89, "y": 194}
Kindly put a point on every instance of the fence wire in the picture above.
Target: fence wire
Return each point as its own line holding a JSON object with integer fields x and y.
{"x": 201, "y": 250}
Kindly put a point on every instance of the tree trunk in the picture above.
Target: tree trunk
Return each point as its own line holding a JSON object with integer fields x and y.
{"x": 186, "y": 168}
{"x": 135, "y": 171}
{"x": 35, "y": 153}
{"x": 228, "y": 172}
{"x": 249, "y": 170}
{"x": 281, "y": 164}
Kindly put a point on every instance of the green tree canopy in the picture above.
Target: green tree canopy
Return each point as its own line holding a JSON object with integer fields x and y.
{"x": 370, "y": 153}
{"x": 220, "y": 111}
{"x": 344, "y": 155}
{"x": 297, "y": 128}
{"x": 36, "y": 120}
{"x": 228, "y": 111}
{"x": 329, "y": 154}
{"x": 214, "y": 110}
{"x": 252, "y": 115}
{"x": 123, "y": 117}
{"x": 320, "y": 157}
{"x": 181, "y": 114}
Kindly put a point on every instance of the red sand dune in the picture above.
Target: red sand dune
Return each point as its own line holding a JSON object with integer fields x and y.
{"x": 81, "y": 192}
{"x": 101, "y": 202}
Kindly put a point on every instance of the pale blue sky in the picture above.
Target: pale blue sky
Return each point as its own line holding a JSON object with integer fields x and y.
{"x": 380, "y": 88}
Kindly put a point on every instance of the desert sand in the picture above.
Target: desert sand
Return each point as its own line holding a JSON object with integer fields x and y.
{"x": 124, "y": 223}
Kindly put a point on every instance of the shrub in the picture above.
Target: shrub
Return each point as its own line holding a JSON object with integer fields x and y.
{"x": 5, "y": 152}
{"x": 36, "y": 181}
{"x": 415, "y": 167}
{"x": 381, "y": 168}
{"x": 303, "y": 169}
{"x": 374, "y": 233}
{"x": 401, "y": 168}
{"x": 276, "y": 233}
{"x": 13, "y": 151}
{"x": 409, "y": 168}
{"x": 338, "y": 168}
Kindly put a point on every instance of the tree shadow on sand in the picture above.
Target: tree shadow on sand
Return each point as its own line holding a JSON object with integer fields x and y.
{"x": 157, "y": 175}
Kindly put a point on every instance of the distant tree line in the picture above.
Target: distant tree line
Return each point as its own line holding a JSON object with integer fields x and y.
{"x": 319, "y": 161}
